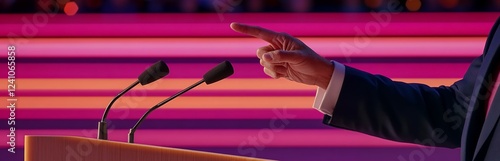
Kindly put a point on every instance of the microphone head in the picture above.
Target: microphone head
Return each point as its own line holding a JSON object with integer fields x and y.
{"x": 153, "y": 73}
{"x": 220, "y": 72}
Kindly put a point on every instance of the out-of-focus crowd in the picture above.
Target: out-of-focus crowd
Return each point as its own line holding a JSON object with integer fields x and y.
{"x": 203, "y": 6}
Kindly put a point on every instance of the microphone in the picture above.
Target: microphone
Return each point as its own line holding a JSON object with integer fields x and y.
{"x": 153, "y": 73}
{"x": 221, "y": 71}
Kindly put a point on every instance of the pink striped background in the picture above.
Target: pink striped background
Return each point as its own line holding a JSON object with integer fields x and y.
{"x": 90, "y": 57}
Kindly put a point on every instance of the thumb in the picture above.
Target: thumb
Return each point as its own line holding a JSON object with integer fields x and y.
{"x": 281, "y": 56}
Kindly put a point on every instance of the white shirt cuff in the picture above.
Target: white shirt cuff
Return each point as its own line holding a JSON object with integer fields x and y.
{"x": 326, "y": 99}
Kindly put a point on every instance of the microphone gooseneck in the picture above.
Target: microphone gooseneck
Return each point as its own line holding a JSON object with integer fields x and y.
{"x": 102, "y": 126}
{"x": 221, "y": 71}
{"x": 153, "y": 73}
{"x": 133, "y": 129}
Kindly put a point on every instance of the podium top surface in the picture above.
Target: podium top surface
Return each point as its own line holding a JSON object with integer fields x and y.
{"x": 72, "y": 148}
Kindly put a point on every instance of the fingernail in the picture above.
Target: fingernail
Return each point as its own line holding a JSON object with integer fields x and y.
{"x": 268, "y": 57}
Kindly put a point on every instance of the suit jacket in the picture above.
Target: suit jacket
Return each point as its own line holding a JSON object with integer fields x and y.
{"x": 446, "y": 116}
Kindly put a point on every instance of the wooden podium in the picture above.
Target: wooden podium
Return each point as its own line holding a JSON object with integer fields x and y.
{"x": 69, "y": 148}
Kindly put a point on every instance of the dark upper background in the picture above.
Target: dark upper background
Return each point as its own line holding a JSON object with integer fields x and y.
{"x": 238, "y": 6}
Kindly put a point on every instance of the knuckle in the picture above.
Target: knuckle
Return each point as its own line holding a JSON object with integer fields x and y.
{"x": 277, "y": 54}
{"x": 259, "y": 55}
{"x": 261, "y": 51}
{"x": 271, "y": 67}
{"x": 269, "y": 72}
{"x": 286, "y": 36}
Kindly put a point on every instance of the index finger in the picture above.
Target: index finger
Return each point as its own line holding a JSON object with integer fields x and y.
{"x": 255, "y": 31}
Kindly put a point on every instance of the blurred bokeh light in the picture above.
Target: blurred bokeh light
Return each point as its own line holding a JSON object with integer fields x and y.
{"x": 70, "y": 8}
{"x": 413, "y": 5}
{"x": 238, "y": 6}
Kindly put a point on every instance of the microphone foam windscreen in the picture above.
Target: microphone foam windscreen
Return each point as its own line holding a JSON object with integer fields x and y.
{"x": 220, "y": 72}
{"x": 153, "y": 73}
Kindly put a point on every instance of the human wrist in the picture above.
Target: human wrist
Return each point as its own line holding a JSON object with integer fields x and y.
{"x": 325, "y": 76}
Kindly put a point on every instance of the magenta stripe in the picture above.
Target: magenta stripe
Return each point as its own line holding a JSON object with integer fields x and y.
{"x": 166, "y": 93}
{"x": 242, "y": 70}
{"x": 182, "y": 25}
{"x": 227, "y": 138}
{"x": 344, "y": 47}
{"x": 162, "y": 113}
{"x": 468, "y": 17}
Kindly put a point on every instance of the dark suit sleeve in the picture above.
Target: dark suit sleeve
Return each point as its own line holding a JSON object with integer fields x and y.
{"x": 414, "y": 113}
{"x": 406, "y": 112}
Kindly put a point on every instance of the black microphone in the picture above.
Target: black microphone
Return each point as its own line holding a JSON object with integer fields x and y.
{"x": 153, "y": 73}
{"x": 221, "y": 71}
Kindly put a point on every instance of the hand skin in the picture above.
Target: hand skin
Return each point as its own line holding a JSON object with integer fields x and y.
{"x": 288, "y": 57}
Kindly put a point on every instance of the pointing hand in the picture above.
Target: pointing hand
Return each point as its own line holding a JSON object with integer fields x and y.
{"x": 288, "y": 57}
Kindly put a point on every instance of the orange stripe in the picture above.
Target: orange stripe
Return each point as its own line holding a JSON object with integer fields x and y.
{"x": 178, "y": 84}
{"x": 174, "y": 84}
{"x": 181, "y": 102}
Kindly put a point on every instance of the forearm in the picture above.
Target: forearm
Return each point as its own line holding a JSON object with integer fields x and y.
{"x": 398, "y": 111}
